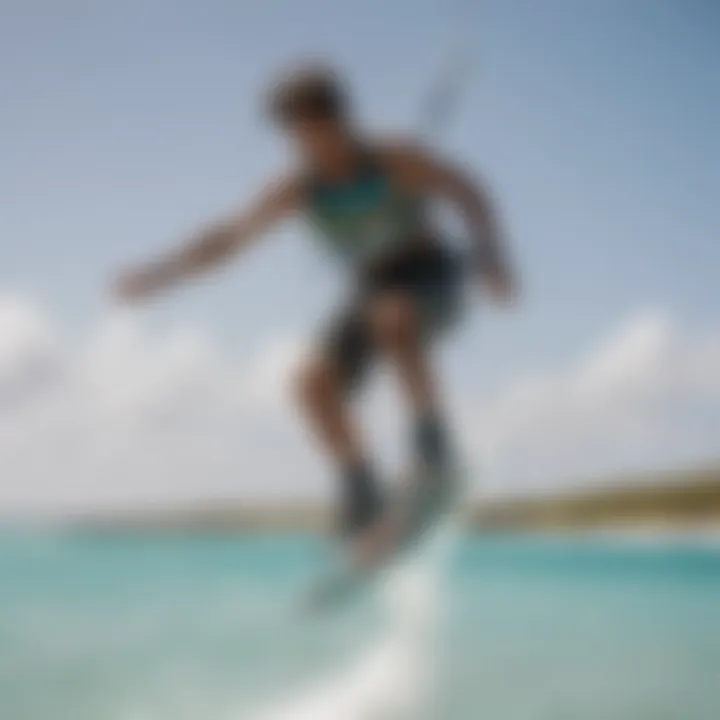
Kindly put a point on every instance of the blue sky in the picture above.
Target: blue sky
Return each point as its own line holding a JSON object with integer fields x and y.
{"x": 126, "y": 125}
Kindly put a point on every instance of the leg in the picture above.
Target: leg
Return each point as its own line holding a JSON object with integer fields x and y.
{"x": 396, "y": 323}
{"x": 323, "y": 396}
{"x": 396, "y": 331}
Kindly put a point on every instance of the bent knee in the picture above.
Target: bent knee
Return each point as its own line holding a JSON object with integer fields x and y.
{"x": 315, "y": 380}
{"x": 394, "y": 322}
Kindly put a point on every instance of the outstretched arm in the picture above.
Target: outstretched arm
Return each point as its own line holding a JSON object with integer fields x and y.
{"x": 423, "y": 173}
{"x": 213, "y": 247}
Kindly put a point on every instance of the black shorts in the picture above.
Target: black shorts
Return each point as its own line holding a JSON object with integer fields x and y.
{"x": 431, "y": 278}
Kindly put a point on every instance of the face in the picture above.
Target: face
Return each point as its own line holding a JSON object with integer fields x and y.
{"x": 321, "y": 143}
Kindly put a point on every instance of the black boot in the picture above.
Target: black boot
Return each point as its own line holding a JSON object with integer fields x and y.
{"x": 435, "y": 479}
{"x": 430, "y": 442}
{"x": 361, "y": 502}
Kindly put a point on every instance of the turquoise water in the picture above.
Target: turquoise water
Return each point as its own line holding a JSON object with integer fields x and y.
{"x": 117, "y": 627}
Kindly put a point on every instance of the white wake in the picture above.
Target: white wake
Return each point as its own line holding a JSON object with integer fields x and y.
{"x": 395, "y": 678}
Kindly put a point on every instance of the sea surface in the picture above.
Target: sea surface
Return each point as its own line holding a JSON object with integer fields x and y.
{"x": 166, "y": 627}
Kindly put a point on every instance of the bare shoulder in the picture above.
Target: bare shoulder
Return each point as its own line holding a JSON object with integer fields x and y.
{"x": 286, "y": 190}
{"x": 403, "y": 158}
{"x": 280, "y": 197}
{"x": 399, "y": 149}
{"x": 417, "y": 167}
{"x": 408, "y": 160}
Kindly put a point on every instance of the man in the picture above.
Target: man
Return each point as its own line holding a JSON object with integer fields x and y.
{"x": 369, "y": 200}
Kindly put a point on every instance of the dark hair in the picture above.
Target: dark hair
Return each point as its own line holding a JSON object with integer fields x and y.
{"x": 311, "y": 93}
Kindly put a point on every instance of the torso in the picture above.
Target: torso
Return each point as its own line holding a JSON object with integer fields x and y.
{"x": 367, "y": 220}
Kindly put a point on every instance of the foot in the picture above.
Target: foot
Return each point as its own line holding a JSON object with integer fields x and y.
{"x": 370, "y": 541}
{"x": 432, "y": 494}
{"x": 362, "y": 503}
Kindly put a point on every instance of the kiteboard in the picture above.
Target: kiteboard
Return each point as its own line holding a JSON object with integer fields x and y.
{"x": 422, "y": 501}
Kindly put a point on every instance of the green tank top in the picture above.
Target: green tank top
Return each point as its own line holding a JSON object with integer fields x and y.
{"x": 366, "y": 218}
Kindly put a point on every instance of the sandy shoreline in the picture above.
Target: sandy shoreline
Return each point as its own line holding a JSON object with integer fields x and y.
{"x": 675, "y": 505}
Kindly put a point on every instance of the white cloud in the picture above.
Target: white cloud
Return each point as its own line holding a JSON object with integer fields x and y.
{"x": 647, "y": 395}
{"x": 133, "y": 416}
{"x": 126, "y": 415}
{"x": 29, "y": 348}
